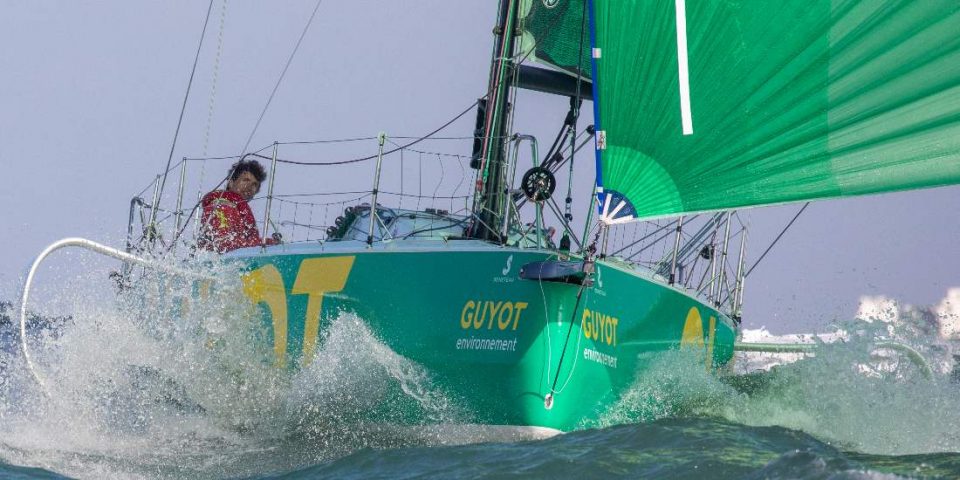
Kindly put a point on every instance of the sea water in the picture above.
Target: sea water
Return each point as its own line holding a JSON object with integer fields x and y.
{"x": 130, "y": 390}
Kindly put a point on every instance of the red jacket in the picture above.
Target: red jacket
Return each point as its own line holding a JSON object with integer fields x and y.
{"x": 227, "y": 223}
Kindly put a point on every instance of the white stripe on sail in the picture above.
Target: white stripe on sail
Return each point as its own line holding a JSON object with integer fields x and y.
{"x": 620, "y": 220}
{"x": 686, "y": 118}
{"x": 617, "y": 210}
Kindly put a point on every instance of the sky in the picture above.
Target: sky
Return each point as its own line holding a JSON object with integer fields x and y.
{"x": 91, "y": 92}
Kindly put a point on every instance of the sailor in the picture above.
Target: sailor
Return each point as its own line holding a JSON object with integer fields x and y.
{"x": 227, "y": 223}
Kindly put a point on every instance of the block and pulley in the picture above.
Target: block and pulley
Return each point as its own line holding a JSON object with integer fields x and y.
{"x": 538, "y": 184}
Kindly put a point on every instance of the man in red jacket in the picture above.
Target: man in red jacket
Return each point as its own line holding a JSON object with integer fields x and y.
{"x": 227, "y": 223}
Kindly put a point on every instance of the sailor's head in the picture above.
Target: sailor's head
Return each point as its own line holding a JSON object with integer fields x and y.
{"x": 245, "y": 178}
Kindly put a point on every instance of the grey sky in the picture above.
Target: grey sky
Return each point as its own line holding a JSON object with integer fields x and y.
{"x": 91, "y": 91}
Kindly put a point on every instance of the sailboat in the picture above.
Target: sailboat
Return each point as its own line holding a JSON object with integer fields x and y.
{"x": 696, "y": 111}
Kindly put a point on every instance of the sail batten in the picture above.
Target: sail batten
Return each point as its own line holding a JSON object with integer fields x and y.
{"x": 789, "y": 101}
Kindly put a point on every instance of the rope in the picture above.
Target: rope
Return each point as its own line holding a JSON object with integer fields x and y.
{"x": 336, "y": 140}
{"x": 575, "y": 103}
{"x": 414, "y": 150}
{"x": 439, "y": 182}
{"x": 183, "y": 108}
{"x": 282, "y": 74}
{"x": 573, "y": 319}
{"x": 765, "y": 252}
{"x": 371, "y": 157}
{"x": 172, "y": 168}
{"x": 215, "y": 77}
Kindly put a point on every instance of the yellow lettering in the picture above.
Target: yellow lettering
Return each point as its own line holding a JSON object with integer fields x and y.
{"x": 478, "y": 320}
{"x": 599, "y": 327}
{"x": 265, "y": 285}
{"x": 710, "y": 336}
{"x": 316, "y": 277}
{"x": 518, "y": 307}
{"x": 501, "y": 322}
{"x": 585, "y": 324}
{"x": 495, "y": 308}
{"x": 596, "y": 319}
{"x": 466, "y": 316}
{"x": 692, "y": 330}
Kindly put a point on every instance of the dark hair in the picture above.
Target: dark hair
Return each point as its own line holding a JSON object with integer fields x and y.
{"x": 251, "y": 166}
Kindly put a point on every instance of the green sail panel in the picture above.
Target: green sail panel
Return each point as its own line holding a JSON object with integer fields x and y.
{"x": 558, "y": 34}
{"x": 789, "y": 101}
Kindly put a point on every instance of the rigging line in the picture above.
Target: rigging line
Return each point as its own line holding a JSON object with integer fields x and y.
{"x": 550, "y": 202}
{"x": 573, "y": 368}
{"x": 765, "y": 252}
{"x": 660, "y": 259}
{"x": 226, "y": 157}
{"x": 546, "y": 326}
{"x": 215, "y": 78}
{"x": 496, "y": 85}
{"x": 554, "y": 167}
{"x": 416, "y": 140}
{"x": 282, "y": 74}
{"x": 575, "y": 103}
{"x": 703, "y": 278}
{"x": 151, "y": 184}
{"x": 462, "y": 176}
{"x": 186, "y": 96}
{"x": 563, "y": 353}
{"x": 204, "y": 159}
{"x": 401, "y": 179}
{"x": 484, "y": 225}
{"x": 646, "y": 236}
{"x": 336, "y": 140}
{"x": 439, "y": 182}
{"x": 498, "y": 68}
{"x": 457, "y": 223}
{"x": 693, "y": 243}
{"x": 371, "y": 157}
{"x": 439, "y": 154}
{"x": 437, "y": 138}
{"x": 318, "y": 194}
{"x": 727, "y": 294}
{"x": 561, "y": 134}
{"x": 590, "y": 251}
{"x": 193, "y": 211}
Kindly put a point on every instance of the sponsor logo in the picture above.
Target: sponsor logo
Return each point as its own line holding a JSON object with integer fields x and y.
{"x": 315, "y": 278}
{"x": 693, "y": 335}
{"x": 492, "y": 316}
{"x": 505, "y": 276}
{"x": 503, "y": 315}
{"x": 487, "y": 344}
{"x": 599, "y": 357}
{"x": 599, "y": 327}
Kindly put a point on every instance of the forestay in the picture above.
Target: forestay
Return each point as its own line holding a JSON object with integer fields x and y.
{"x": 719, "y": 104}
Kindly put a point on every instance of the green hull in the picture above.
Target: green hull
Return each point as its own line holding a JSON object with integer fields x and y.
{"x": 488, "y": 338}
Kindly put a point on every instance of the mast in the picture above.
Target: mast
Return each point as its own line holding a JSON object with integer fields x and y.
{"x": 490, "y": 196}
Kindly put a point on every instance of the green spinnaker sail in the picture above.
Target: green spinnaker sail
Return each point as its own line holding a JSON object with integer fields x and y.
{"x": 558, "y": 33}
{"x": 789, "y": 100}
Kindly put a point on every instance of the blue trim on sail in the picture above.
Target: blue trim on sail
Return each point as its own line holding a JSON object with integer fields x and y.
{"x": 596, "y": 106}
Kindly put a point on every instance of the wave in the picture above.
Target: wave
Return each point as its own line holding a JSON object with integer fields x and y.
{"x": 154, "y": 385}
